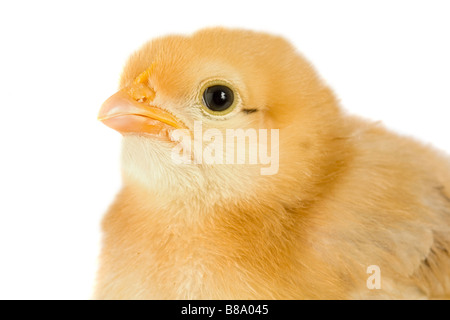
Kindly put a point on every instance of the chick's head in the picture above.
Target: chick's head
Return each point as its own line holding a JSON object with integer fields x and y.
{"x": 217, "y": 80}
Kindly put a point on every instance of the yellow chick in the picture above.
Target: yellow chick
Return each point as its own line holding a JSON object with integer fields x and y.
{"x": 331, "y": 207}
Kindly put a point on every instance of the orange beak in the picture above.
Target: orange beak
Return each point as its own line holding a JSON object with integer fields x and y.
{"x": 128, "y": 112}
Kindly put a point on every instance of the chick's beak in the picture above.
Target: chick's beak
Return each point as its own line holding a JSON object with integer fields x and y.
{"x": 128, "y": 111}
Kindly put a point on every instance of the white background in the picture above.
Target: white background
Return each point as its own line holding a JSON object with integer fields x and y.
{"x": 59, "y": 167}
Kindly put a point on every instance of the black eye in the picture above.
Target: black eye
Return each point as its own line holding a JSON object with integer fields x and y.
{"x": 218, "y": 98}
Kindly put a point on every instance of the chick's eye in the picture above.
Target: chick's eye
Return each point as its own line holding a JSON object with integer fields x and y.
{"x": 218, "y": 98}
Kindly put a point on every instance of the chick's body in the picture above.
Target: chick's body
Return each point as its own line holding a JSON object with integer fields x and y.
{"x": 348, "y": 194}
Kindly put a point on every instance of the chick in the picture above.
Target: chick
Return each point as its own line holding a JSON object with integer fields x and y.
{"x": 349, "y": 211}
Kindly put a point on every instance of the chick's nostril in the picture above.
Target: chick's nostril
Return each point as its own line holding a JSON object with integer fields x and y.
{"x": 141, "y": 93}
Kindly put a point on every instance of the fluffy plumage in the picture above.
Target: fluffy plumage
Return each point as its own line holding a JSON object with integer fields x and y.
{"x": 348, "y": 193}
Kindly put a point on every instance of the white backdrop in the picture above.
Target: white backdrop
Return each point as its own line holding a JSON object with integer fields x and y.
{"x": 59, "y": 167}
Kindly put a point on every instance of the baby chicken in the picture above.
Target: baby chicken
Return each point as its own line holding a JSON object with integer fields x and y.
{"x": 341, "y": 208}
